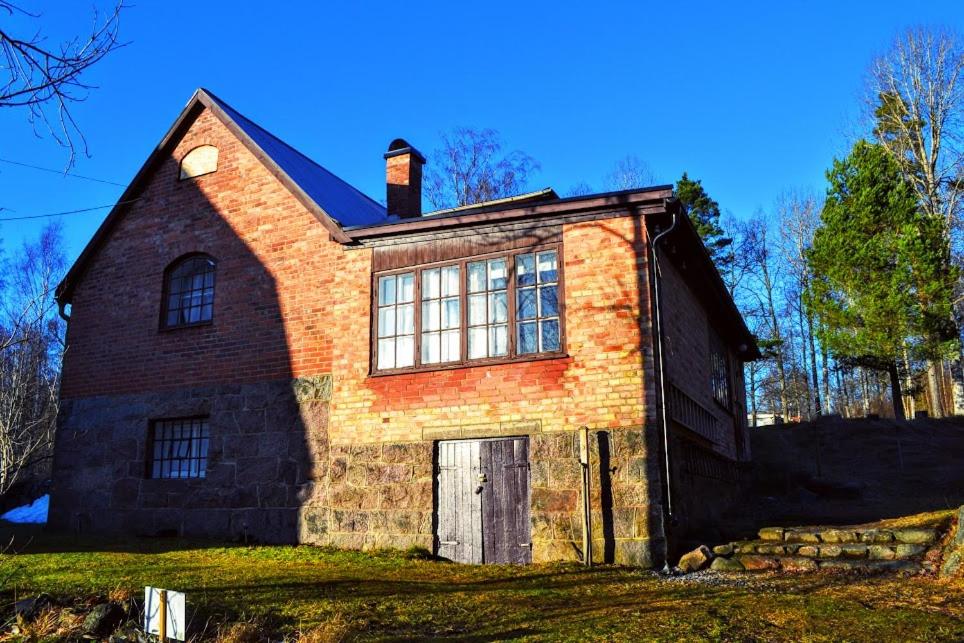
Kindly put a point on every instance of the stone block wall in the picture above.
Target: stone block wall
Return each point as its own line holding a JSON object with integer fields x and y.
{"x": 378, "y": 496}
{"x": 267, "y": 454}
{"x": 626, "y": 511}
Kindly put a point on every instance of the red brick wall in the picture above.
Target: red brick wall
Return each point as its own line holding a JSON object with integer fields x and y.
{"x": 290, "y": 302}
{"x": 275, "y": 261}
{"x": 599, "y": 384}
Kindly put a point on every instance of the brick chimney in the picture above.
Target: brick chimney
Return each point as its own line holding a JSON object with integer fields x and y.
{"x": 403, "y": 176}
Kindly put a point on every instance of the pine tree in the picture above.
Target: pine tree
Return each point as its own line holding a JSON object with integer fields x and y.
{"x": 704, "y": 212}
{"x": 881, "y": 272}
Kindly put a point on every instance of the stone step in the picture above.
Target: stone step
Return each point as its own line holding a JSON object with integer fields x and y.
{"x": 797, "y": 564}
{"x": 844, "y": 535}
{"x": 827, "y": 550}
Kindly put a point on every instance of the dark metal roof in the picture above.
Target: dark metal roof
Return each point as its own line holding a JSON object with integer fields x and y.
{"x": 338, "y": 199}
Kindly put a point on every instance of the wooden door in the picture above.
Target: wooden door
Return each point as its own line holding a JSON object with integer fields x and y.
{"x": 483, "y": 501}
{"x": 505, "y": 501}
{"x": 459, "y": 506}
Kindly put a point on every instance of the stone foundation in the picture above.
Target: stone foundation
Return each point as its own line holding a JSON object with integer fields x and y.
{"x": 273, "y": 477}
{"x": 264, "y": 451}
{"x": 377, "y": 496}
{"x": 622, "y": 508}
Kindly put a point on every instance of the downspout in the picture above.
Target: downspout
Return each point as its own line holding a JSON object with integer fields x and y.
{"x": 662, "y": 379}
{"x": 62, "y": 310}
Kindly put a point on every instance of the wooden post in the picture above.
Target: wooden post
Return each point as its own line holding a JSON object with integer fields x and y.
{"x": 586, "y": 462}
{"x": 162, "y": 617}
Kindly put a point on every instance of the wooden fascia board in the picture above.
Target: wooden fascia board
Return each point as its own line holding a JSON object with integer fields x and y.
{"x": 642, "y": 202}
{"x": 333, "y": 227}
{"x": 65, "y": 288}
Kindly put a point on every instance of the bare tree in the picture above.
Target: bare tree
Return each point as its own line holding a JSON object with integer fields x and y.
{"x": 798, "y": 215}
{"x": 470, "y": 167}
{"x": 580, "y": 189}
{"x": 759, "y": 294}
{"x": 628, "y": 173}
{"x": 45, "y": 80}
{"x": 917, "y": 101}
{"x": 31, "y": 346}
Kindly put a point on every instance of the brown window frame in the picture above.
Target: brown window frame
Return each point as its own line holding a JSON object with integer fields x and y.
{"x": 464, "y": 361}
{"x": 721, "y": 373}
{"x": 152, "y": 438}
{"x": 166, "y": 291}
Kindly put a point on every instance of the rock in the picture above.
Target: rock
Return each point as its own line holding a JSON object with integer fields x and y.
{"x": 905, "y": 550}
{"x": 726, "y": 565}
{"x": 809, "y": 550}
{"x": 28, "y": 608}
{"x": 830, "y": 551}
{"x": 882, "y": 552}
{"x": 723, "y": 550}
{"x": 953, "y": 564}
{"x": 916, "y": 536}
{"x": 775, "y": 550}
{"x": 838, "y": 536}
{"x": 803, "y": 536}
{"x": 799, "y": 565}
{"x": 696, "y": 560}
{"x": 854, "y": 551}
{"x": 103, "y": 619}
{"x": 759, "y": 563}
{"x": 876, "y": 536}
{"x": 772, "y": 533}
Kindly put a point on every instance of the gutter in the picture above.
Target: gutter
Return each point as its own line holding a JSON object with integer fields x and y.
{"x": 662, "y": 380}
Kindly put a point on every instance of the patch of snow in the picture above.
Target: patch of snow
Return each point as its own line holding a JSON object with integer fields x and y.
{"x": 35, "y": 513}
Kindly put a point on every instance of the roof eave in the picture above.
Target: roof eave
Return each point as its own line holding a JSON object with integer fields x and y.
{"x": 498, "y": 213}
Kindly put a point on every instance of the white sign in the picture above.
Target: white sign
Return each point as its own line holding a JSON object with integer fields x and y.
{"x": 176, "y": 623}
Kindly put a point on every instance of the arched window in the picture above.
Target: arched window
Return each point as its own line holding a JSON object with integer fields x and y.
{"x": 200, "y": 160}
{"x": 188, "y": 292}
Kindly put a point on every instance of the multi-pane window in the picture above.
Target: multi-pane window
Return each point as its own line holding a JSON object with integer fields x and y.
{"x": 189, "y": 292}
{"x": 537, "y": 302}
{"x": 178, "y": 448}
{"x": 441, "y": 317}
{"x": 396, "y": 321}
{"x": 488, "y": 286}
{"x": 491, "y": 308}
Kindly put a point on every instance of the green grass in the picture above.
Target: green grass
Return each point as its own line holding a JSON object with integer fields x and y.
{"x": 390, "y": 595}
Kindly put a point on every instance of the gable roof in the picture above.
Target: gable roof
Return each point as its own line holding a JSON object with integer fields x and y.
{"x": 333, "y": 201}
{"x": 342, "y": 202}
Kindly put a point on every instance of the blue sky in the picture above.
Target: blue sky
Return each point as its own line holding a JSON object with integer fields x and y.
{"x": 752, "y": 98}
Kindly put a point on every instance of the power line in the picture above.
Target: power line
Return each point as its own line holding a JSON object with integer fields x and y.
{"x": 61, "y": 172}
{"x": 59, "y": 214}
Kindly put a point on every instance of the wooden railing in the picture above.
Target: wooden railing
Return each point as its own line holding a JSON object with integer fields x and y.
{"x": 694, "y": 416}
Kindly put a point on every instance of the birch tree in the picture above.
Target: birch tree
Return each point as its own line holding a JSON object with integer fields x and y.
{"x": 31, "y": 346}
{"x": 470, "y": 167}
{"x": 917, "y": 101}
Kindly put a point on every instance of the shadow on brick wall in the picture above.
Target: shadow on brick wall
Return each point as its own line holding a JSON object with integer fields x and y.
{"x": 123, "y": 372}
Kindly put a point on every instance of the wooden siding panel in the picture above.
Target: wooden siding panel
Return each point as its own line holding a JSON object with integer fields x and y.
{"x": 391, "y": 257}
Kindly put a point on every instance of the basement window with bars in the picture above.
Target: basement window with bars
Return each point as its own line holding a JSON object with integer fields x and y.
{"x": 501, "y": 307}
{"x": 189, "y": 292}
{"x": 178, "y": 448}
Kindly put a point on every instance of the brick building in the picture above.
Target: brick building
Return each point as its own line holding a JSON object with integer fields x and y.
{"x": 257, "y": 350}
